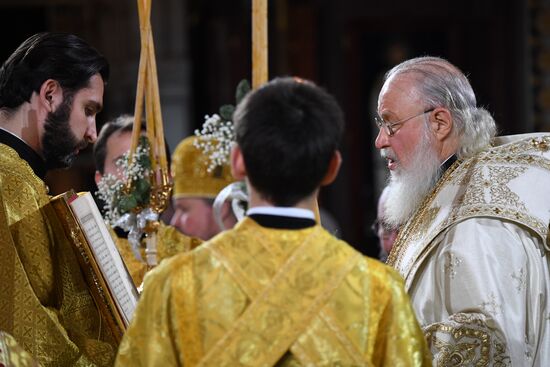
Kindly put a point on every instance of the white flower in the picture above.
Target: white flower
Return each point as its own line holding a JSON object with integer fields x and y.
{"x": 216, "y": 138}
{"x": 111, "y": 187}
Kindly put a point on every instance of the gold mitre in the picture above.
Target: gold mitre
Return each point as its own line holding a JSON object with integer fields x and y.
{"x": 190, "y": 172}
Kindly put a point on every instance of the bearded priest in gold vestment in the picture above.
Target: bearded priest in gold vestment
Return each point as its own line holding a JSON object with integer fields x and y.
{"x": 277, "y": 289}
{"x": 51, "y": 89}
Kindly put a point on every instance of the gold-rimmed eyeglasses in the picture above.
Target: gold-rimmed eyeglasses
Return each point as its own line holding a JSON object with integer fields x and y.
{"x": 389, "y": 126}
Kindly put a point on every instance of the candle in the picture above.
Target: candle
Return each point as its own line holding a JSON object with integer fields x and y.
{"x": 259, "y": 42}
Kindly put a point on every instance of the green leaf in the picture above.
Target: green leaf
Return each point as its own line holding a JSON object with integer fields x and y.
{"x": 242, "y": 89}
{"x": 145, "y": 161}
{"x": 127, "y": 203}
{"x": 142, "y": 189}
{"x": 143, "y": 141}
{"x": 226, "y": 112}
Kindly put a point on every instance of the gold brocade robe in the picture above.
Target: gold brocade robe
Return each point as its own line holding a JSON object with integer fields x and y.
{"x": 169, "y": 243}
{"x": 44, "y": 301}
{"x": 257, "y": 296}
{"x": 11, "y": 353}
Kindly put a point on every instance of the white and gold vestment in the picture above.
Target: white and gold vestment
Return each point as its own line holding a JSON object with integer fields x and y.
{"x": 475, "y": 257}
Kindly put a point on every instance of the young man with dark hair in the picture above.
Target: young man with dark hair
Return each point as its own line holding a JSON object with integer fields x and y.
{"x": 113, "y": 143}
{"x": 51, "y": 89}
{"x": 277, "y": 289}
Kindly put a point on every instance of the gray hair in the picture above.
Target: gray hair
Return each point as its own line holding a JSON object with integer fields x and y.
{"x": 442, "y": 84}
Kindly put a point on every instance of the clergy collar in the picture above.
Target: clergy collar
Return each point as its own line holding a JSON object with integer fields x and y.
{"x": 448, "y": 163}
{"x": 282, "y": 211}
{"x": 25, "y": 152}
{"x": 282, "y": 217}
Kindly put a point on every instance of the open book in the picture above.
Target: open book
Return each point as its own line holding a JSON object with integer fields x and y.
{"x": 108, "y": 279}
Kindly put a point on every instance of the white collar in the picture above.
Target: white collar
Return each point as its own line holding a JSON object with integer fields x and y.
{"x": 282, "y": 211}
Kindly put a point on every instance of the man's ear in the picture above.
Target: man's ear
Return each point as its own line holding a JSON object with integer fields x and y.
{"x": 441, "y": 122}
{"x": 238, "y": 168}
{"x": 333, "y": 168}
{"x": 97, "y": 177}
{"x": 50, "y": 94}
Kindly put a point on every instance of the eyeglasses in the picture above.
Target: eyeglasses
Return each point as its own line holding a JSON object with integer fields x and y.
{"x": 375, "y": 226}
{"x": 389, "y": 126}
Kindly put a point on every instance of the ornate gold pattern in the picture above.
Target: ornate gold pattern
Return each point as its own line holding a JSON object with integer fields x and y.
{"x": 45, "y": 303}
{"x": 258, "y": 296}
{"x": 465, "y": 340}
{"x": 481, "y": 187}
{"x": 429, "y": 216}
{"x": 190, "y": 171}
{"x": 12, "y": 355}
{"x": 491, "y": 186}
{"x": 269, "y": 327}
{"x": 413, "y": 227}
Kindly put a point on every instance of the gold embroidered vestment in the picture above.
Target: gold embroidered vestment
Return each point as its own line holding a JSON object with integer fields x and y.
{"x": 475, "y": 257}
{"x": 44, "y": 301}
{"x": 259, "y": 296}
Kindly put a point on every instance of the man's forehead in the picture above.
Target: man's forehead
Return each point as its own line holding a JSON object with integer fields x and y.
{"x": 92, "y": 93}
{"x": 399, "y": 89}
{"x": 120, "y": 140}
{"x": 188, "y": 201}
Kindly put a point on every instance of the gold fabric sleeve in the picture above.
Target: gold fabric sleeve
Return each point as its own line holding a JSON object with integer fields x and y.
{"x": 45, "y": 303}
{"x": 151, "y": 342}
{"x": 12, "y": 355}
{"x": 400, "y": 340}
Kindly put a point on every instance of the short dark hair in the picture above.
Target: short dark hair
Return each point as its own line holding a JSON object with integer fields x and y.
{"x": 121, "y": 124}
{"x": 288, "y": 131}
{"x": 65, "y": 58}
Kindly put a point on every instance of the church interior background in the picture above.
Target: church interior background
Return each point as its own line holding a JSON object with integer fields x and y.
{"x": 203, "y": 50}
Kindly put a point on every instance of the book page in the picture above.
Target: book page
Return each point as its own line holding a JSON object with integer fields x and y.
{"x": 106, "y": 255}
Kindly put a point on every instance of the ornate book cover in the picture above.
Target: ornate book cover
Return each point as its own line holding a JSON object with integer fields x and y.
{"x": 108, "y": 279}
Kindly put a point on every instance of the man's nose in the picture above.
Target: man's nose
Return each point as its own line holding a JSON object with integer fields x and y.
{"x": 174, "y": 220}
{"x": 91, "y": 132}
{"x": 382, "y": 139}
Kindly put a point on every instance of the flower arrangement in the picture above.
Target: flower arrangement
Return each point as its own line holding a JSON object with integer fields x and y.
{"x": 217, "y": 137}
{"x": 218, "y": 133}
{"x": 129, "y": 190}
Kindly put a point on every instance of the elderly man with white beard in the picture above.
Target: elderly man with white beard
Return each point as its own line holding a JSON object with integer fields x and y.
{"x": 473, "y": 212}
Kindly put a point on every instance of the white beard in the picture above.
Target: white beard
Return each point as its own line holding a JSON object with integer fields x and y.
{"x": 408, "y": 187}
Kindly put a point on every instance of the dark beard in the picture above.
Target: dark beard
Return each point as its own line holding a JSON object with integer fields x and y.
{"x": 59, "y": 144}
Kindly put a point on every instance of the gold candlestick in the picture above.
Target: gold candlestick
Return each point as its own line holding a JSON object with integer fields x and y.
{"x": 259, "y": 43}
